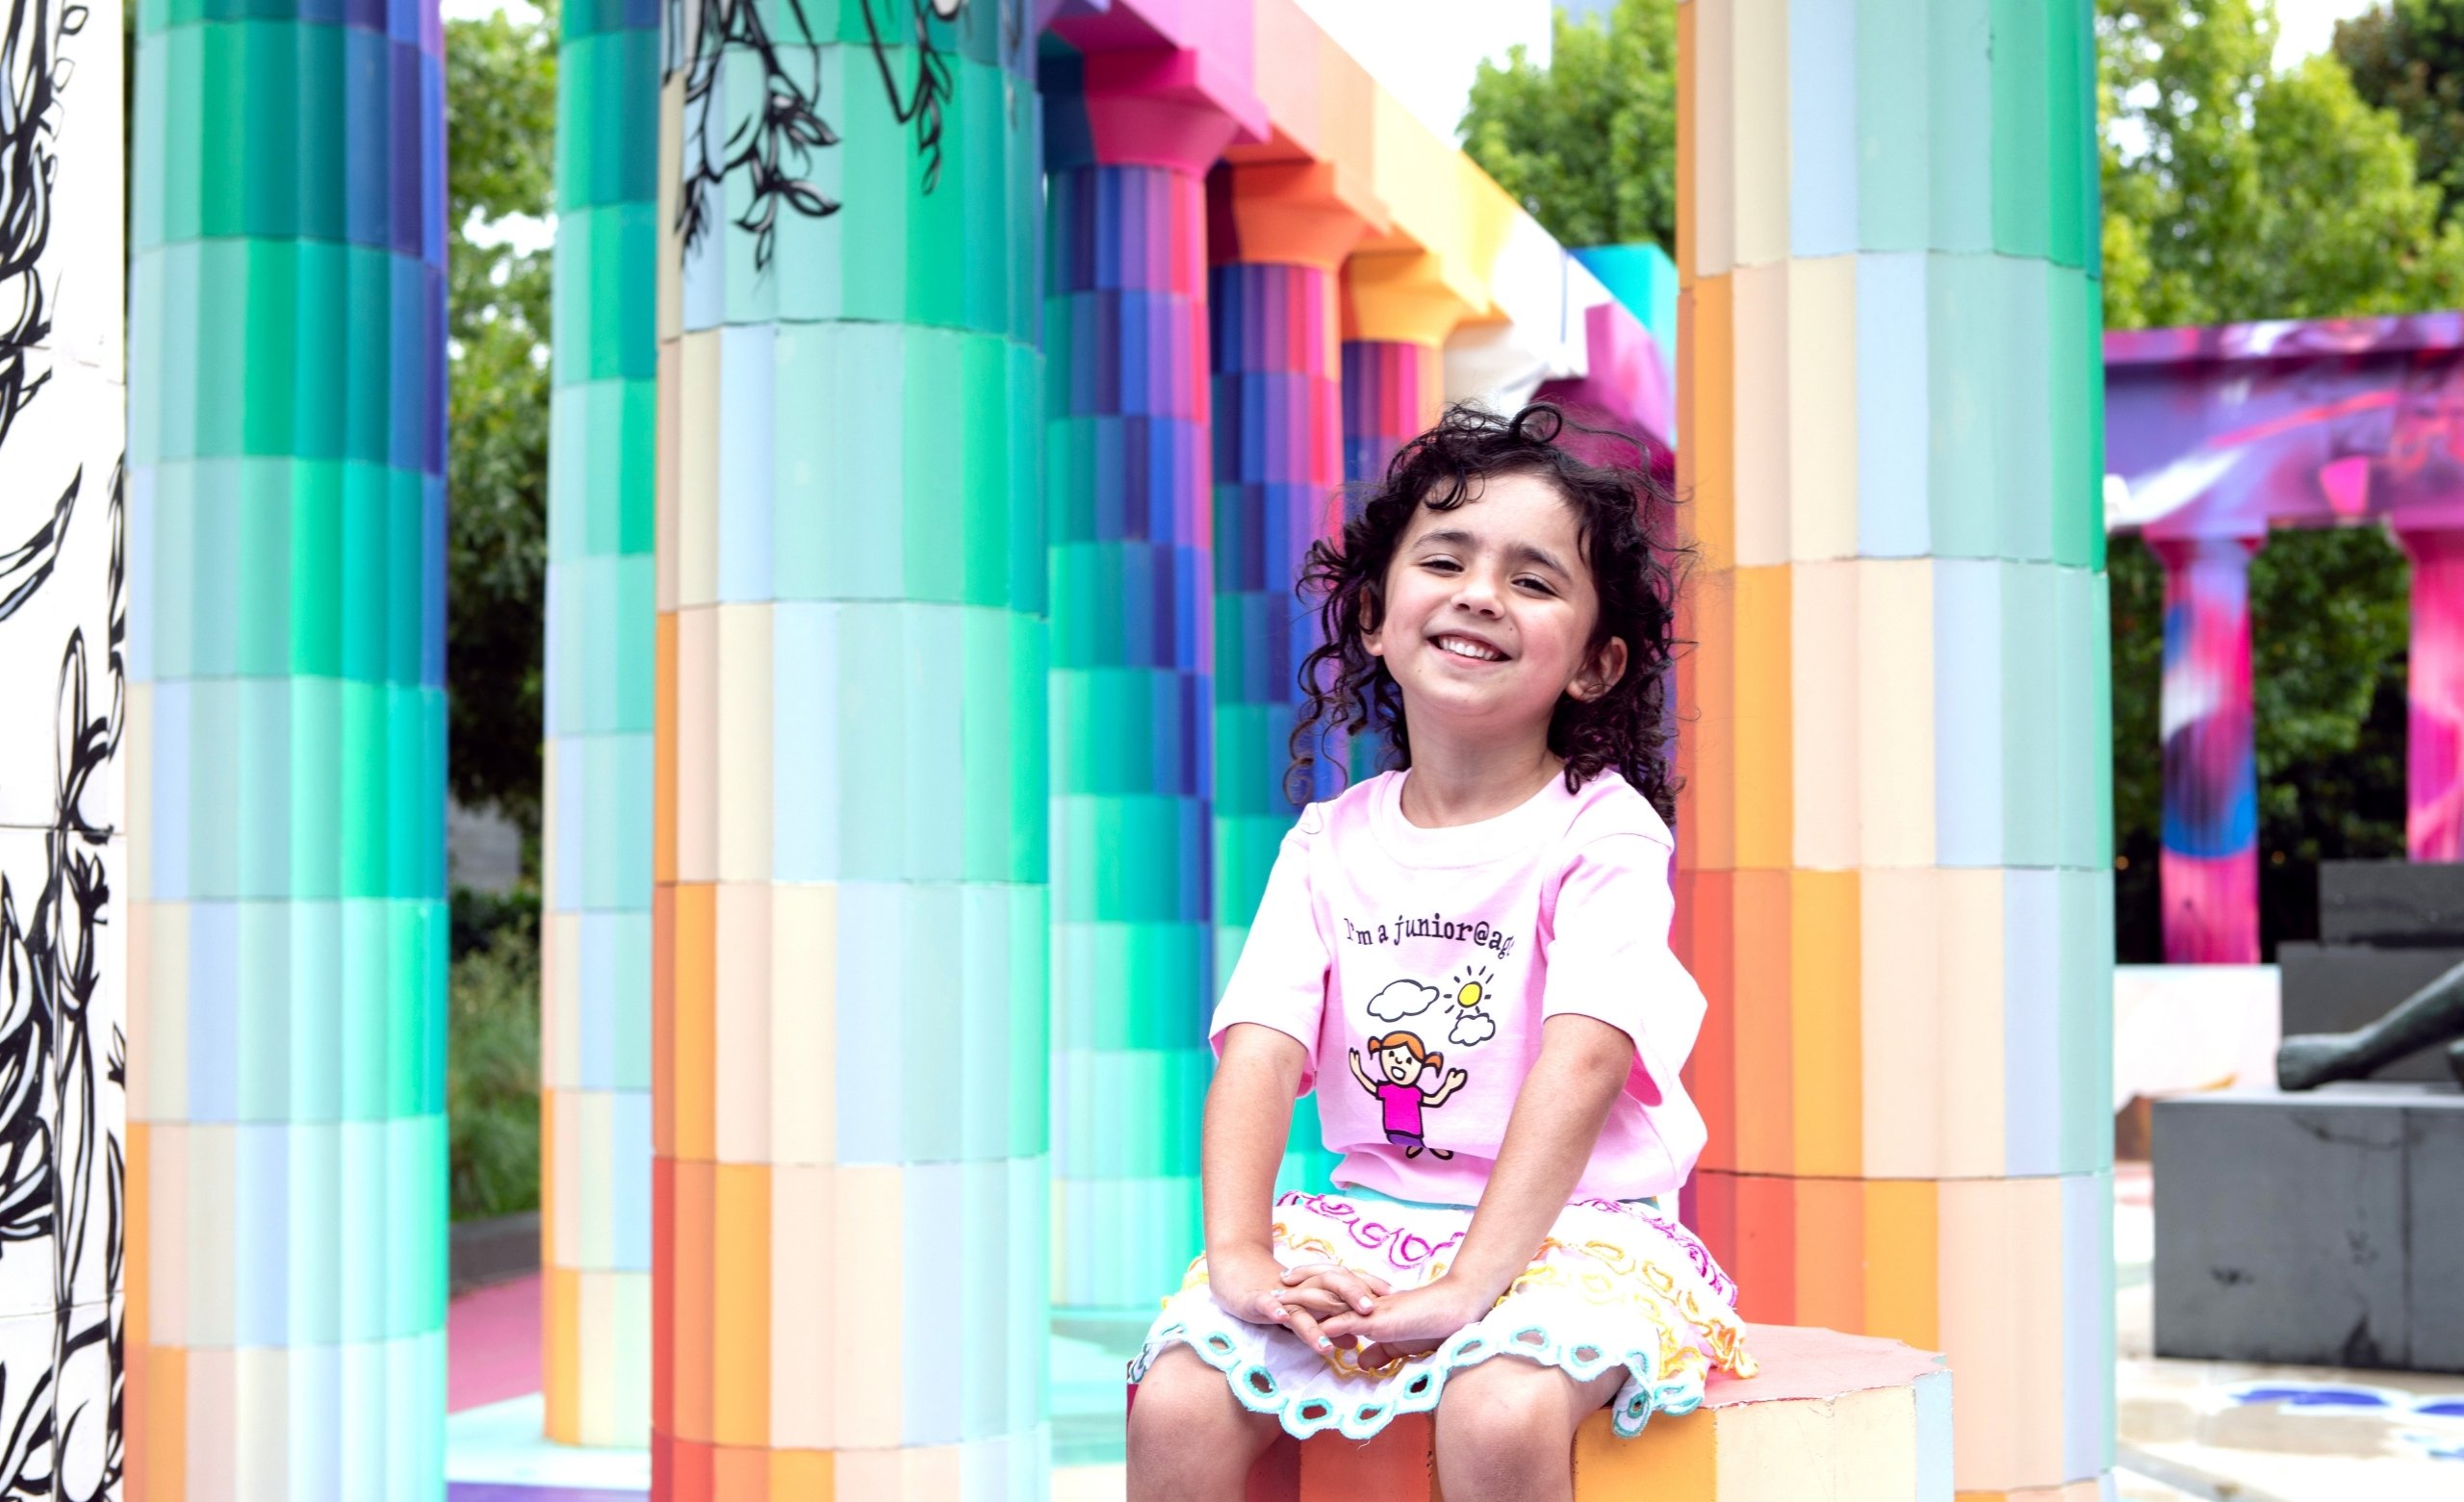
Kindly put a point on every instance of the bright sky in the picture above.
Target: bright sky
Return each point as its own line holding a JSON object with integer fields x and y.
{"x": 2304, "y": 27}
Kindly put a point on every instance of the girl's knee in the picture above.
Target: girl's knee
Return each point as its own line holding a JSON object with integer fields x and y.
{"x": 1185, "y": 1415}
{"x": 1505, "y": 1411}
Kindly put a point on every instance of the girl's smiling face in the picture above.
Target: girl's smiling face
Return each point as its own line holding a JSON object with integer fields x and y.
{"x": 1490, "y": 611}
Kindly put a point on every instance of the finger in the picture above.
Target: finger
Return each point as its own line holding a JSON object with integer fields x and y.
{"x": 1306, "y": 1328}
{"x": 1318, "y": 1301}
{"x": 1301, "y": 1272}
{"x": 1351, "y": 1287}
{"x": 1344, "y": 1326}
{"x": 1381, "y": 1353}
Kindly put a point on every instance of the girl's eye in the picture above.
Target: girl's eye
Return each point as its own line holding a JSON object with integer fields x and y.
{"x": 1444, "y": 565}
{"x": 1539, "y": 585}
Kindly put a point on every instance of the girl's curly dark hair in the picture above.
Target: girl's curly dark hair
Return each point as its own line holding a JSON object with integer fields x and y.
{"x": 1623, "y": 514}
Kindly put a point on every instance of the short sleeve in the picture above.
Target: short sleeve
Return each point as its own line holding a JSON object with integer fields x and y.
{"x": 1609, "y": 959}
{"x": 1280, "y": 980}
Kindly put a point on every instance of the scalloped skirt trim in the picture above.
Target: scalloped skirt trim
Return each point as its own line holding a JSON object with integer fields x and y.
{"x": 1614, "y": 1286}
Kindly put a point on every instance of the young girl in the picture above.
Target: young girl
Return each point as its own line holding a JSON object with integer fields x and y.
{"x": 1467, "y": 958}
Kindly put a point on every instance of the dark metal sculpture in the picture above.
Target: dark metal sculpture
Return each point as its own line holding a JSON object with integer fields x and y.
{"x": 2430, "y": 1016}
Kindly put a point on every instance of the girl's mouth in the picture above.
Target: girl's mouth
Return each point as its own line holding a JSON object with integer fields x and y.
{"x": 1464, "y": 647}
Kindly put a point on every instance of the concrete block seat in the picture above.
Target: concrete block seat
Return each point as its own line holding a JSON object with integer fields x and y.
{"x": 1830, "y": 1418}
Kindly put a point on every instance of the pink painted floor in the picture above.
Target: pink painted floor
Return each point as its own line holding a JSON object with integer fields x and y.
{"x": 491, "y": 1345}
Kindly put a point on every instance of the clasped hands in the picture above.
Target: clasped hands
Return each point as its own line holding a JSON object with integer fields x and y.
{"x": 1329, "y": 1306}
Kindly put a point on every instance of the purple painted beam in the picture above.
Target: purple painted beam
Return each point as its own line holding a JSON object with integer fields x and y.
{"x": 2226, "y": 431}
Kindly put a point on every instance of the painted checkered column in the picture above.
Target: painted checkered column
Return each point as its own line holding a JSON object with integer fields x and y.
{"x": 1133, "y": 648}
{"x": 849, "y": 1114}
{"x": 1393, "y": 390}
{"x": 2210, "y": 871}
{"x": 1895, "y": 840}
{"x": 1277, "y": 236}
{"x": 2434, "y": 694}
{"x": 595, "y": 973}
{"x": 1398, "y": 309}
{"x": 287, "y": 1150}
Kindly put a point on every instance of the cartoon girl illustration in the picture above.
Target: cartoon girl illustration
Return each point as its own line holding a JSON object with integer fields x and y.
{"x": 1402, "y": 1060}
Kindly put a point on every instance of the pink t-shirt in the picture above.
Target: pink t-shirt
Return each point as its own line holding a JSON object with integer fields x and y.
{"x": 1417, "y": 965}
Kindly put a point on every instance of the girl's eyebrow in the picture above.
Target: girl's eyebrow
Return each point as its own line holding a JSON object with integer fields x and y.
{"x": 1520, "y": 553}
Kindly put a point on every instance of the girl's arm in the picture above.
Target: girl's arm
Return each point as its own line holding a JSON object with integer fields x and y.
{"x": 1249, "y": 1114}
{"x": 1558, "y": 1114}
{"x": 1362, "y": 1075}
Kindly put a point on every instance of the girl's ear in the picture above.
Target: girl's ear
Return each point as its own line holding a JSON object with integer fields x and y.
{"x": 1599, "y": 674}
{"x": 1369, "y": 634}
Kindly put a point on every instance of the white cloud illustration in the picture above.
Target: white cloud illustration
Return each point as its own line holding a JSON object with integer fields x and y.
{"x": 1471, "y": 1028}
{"x": 1402, "y": 999}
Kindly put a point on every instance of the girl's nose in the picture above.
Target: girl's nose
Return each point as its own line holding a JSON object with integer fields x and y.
{"x": 1478, "y": 594}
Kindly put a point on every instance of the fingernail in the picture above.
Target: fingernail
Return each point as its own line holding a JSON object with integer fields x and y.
{"x": 1324, "y": 1344}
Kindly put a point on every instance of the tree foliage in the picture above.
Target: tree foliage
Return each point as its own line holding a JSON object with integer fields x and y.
{"x": 2409, "y": 59}
{"x": 1587, "y": 144}
{"x": 501, "y": 132}
{"x": 2235, "y": 192}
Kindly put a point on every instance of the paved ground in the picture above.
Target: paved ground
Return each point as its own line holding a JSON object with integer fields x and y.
{"x": 2205, "y": 1431}
{"x": 2229, "y": 1430}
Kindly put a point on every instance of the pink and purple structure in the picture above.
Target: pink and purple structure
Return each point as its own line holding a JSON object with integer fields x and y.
{"x": 2218, "y": 434}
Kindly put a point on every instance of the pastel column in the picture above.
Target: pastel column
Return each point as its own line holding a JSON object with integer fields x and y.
{"x": 2434, "y": 723}
{"x": 287, "y": 1150}
{"x": 595, "y": 1002}
{"x": 849, "y": 1183}
{"x": 1278, "y": 236}
{"x": 1397, "y": 313}
{"x": 2210, "y": 874}
{"x": 65, "y": 850}
{"x": 1895, "y": 873}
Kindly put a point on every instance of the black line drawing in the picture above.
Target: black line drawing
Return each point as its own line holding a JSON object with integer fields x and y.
{"x": 63, "y": 1172}
{"x": 774, "y": 141}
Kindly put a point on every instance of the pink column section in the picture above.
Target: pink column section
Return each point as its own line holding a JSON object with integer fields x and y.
{"x": 2210, "y": 874}
{"x": 2435, "y": 722}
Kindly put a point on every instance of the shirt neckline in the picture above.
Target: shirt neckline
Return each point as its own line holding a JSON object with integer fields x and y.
{"x": 1520, "y": 830}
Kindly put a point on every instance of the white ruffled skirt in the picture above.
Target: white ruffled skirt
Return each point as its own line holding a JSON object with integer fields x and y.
{"x": 1615, "y": 1285}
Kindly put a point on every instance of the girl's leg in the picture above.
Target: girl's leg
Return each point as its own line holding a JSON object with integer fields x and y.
{"x": 1505, "y": 1428}
{"x": 1189, "y": 1437}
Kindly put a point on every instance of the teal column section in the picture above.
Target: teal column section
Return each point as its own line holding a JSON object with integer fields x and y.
{"x": 601, "y": 669}
{"x": 286, "y": 653}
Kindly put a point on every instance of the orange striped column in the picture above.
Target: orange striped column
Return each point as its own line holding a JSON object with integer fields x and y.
{"x": 1896, "y": 835}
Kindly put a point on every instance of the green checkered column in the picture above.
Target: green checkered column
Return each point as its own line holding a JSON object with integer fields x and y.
{"x": 595, "y": 977}
{"x": 286, "y": 1153}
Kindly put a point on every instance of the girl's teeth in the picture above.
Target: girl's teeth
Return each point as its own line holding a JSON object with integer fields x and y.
{"x": 1463, "y": 648}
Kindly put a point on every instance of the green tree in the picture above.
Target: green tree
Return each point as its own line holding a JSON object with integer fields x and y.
{"x": 501, "y": 132}
{"x": 2235, "y": 192}
{"x": 2408, "y": 58}
{"x": 1587, "y": 144}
